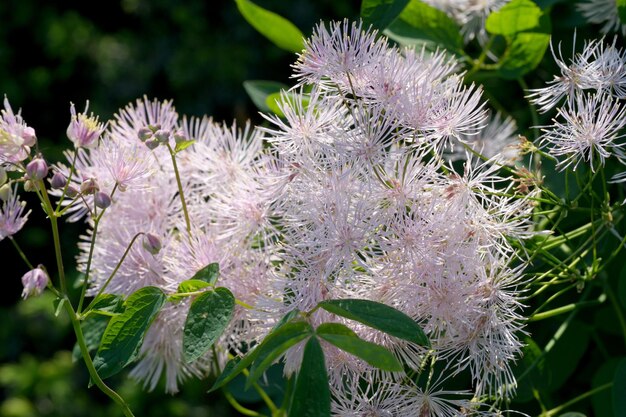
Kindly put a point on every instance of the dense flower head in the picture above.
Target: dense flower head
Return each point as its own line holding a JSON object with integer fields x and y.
{"x": 12, "y": 212}
{"x": 16, "y": 137}
{"x": 346, "y": 196}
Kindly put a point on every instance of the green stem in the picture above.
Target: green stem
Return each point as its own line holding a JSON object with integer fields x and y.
{"x": 573, "y": 401}
{"x": 22, "y": 254}
{"x": 566, "y": 308}
{"x": 89, "y": 363}
{"x": 180, "y": 189}
{"x": 617, "y": 308}
{"x": 243, "y": 410}
{"x": 49, "y": 210}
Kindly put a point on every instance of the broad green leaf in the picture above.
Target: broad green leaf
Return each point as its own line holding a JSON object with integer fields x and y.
{"x": 181, "y": 146}
{"x": 209, "y": 315}
{"x": 277, "y": 29}
{"x": 420, "y": 22}
{"x": 516, "y": 16}
{"x": 565, "y": 354}
{"x": 290, "y": 98}
{"x": 619, "y": 390}
{"x": 286, "y": 319}
{"x": 259, "y": 90}
{"x": 311, "y": 397}
{"x": 602, "y": 401}
{"x": 345, "y": 339}
{"x": 621, "y": 10}
{"x": 93, "y": 329}
{"x": 209, "y": 273}
{"x": 110, "y": 303}
{"x": 379, "y": 316}
{"x": 124, "y": 333}
{"x": 525, "y": 51}
{"x": 530, "y": 371}
{"x": 275, "y": 344}
{"x": 380, "y": 13}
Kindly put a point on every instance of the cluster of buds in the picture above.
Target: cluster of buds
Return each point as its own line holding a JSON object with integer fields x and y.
{"x": 153, "y": 136}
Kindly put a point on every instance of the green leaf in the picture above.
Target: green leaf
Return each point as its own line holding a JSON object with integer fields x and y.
{"x": 602, "y": 401}
{"x": 619, "y": 390}
{"x": 621, "y": 287}
{"x": 621, "y": 11}
{"x": 345, "y": 339}
{"x": 181, "y": 146}
{"x": 277, "y": 29}
{"x": 530, "y": 371}
{"x": 124, "y": 333}
{"x": 311, "y": 397}
{"x": 209, "y": 273}
{"x": 514, "y": 17}
{"x": 275, "y": 344}
{"x": 380, "y": 13}
{"x": 572, "y": 414}
{"x": 259, "y": 90}
{"x": 289, "y": 98}
{"x": 379, "y": 316}
{"x": 209, "y": 315}
{"x": 525, "y": 51}
{"x": 563, "y": 356}
{"x": 110, "y": 303}
{"x": 58, "y": 305}
{"x": 192, "y": 285}
{"x": 420, "y": 22}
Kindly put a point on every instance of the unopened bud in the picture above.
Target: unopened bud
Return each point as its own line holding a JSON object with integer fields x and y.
{"x": 89, "y": 186}
{"x": 154, "y": 128}
{"x": 58, "y": 180}
{"x": 3, "y": 176}
{"x": 152, "y": 243}
{"x": 37, "y": 169}
{"x": 144, "y": 134}
{"x": 102, "y": 200}
{"x": 152, "y": 144}
{"x": 28, "y": 135}
{"x": 5, "y": 192}
{"x": 179, "y": 136}
{"x": 34, "y": 282}
{"x": 71, "y": 191}
{"x": 162, "y": 135}
{"x": 29, "y": 186}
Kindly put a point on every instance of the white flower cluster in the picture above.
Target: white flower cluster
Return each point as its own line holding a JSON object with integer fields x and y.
{"x": 346, "y": 196}
{"x": 588, "y": 126}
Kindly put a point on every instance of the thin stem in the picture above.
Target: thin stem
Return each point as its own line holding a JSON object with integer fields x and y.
{"x": 180, "y": 189}
{"x": 573, "y": 401}
{"x": 22, "y": 254}
{"x": 49, "y": 210}
{"x": 89, "y": 363}
{"x": 533, "y": 112}
{"x": 243, "y": 410}
{"x": 566, "y": 308}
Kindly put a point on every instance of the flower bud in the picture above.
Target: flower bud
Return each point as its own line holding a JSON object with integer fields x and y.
{"x": 71, "y": 191}
{"x": 102, "y": 200}
{"x": 162, "y": 135}
{"x": 179, "y": 136}
{"x": 5, "y": 192}
{"x": 152, "y": 243}
{"x": 58, "y": 180}
{"x": 89, "y": 186}
{"x": 28, "y": 135}
{"x": 3, "y": 176}
{"x": 154, "y": 128}
{"x": 29, "y": 186}
{"x": 152, "y": 144}
{"x": 144, "y": 134}
{"x": 34, "y": 282}
{"x": 37, "y": 169}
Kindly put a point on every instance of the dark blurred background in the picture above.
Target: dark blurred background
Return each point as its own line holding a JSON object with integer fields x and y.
{"x": 197, "y": 53}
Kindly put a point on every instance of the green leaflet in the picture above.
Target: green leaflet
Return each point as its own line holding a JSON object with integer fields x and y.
{"x": 311, "y": 397}
{"x": 380, "y": 13}
{"x": 260, "y": 90}
{"x": 124, "y": 333}
{"x": 209, "y": 315}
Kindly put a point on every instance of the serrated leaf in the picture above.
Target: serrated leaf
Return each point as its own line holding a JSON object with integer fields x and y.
{"x": 209, "y": 273}
{"x": 111, "y": 303}
{"x": 275, "y": 344}
{"x": 181, "y": 146}
{"x": 347, "y": 340}
{"x": 124, "y": 333}
{"x": 277, "y": 29}
{"x": 619, "y": 390}
{"x": 420, "y": 22}
{"x": 514, "y": 17}
{"x": 259, "y": 90}
{"x": 380, "y": 13}
{"x": 379, "y": 316}
{"x": 209, "y": 315}
{"x": 311, "y": 397}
